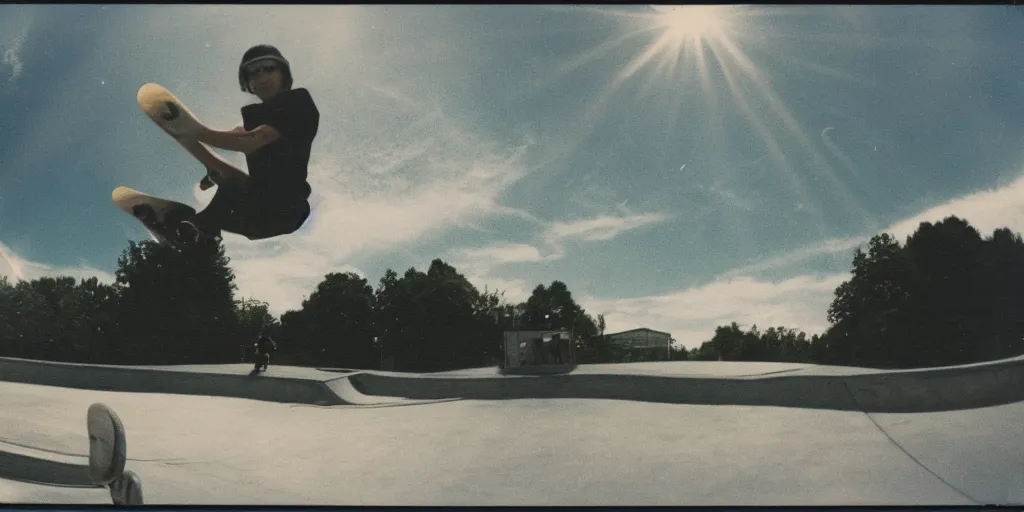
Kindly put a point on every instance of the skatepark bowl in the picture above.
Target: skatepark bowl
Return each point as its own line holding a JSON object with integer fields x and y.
{"x": 674, "y": 433}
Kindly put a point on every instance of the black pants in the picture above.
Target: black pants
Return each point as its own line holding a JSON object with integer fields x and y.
{"x": 254, "y": 212}
{"x": 262, "y": 359}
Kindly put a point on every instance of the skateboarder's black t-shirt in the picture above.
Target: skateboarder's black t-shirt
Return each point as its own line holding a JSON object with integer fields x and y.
{"x": 282, "y": 166}
{"x": 265, "y": 345}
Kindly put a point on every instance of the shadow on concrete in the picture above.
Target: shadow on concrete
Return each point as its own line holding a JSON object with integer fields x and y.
{"x": 14, "y": 466}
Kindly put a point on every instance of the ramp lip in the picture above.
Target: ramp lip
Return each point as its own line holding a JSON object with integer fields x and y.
{"x": 916, "y": 390}
{"x": 281, "y": 389}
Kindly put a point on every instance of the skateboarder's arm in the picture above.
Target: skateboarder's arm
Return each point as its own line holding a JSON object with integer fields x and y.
{"x": 208, "y": 158}
{"x": 241, "y": 141}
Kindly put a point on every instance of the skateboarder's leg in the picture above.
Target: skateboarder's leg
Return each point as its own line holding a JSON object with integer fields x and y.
{"x": 237, "y": 207}
{"x": 230, "y": 196}
{"x": 260, "y": 215}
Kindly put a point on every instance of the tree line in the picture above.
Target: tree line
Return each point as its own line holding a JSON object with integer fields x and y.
{"x": 945, "y": 296}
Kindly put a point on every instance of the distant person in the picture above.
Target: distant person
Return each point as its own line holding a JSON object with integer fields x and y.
{"x": 264, "y": 347}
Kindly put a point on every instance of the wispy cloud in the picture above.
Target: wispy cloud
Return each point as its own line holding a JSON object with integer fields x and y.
{"x": 691, "y": 315}
{"x": 506, "y": 253}
{"x": 423, "y": 177}
{"x": 553, "y": 240}
{"x": 600, "y": 228}
{"x": 10, "y": 56}
{"x": 557, "y": 234}
{"x": 11, "y": 47}
{"x": 483, "y": 266}
{"x": 798, "y": 302}
{"x": 986, "y": 210}
{"x": 10, "y": 265}
{"x": 15, "y": 268}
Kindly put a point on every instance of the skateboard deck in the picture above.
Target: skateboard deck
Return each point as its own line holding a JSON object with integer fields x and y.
{"x": 160, "y": 216}
{"x": 107, "y": 444}
{"x": 170, "y": 114}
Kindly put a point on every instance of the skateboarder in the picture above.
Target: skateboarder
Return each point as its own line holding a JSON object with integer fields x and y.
{"x": 264, "y": 346}
{"x": 276, "y": 137}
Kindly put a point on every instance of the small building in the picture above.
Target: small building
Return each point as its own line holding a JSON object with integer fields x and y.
{"x": 642, "y": 344}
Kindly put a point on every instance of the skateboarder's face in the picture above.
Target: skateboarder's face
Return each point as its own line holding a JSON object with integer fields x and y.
{"x": 265, "y": 78}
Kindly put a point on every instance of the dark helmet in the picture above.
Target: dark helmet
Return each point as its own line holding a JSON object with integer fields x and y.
{"x": 263, "y": 51}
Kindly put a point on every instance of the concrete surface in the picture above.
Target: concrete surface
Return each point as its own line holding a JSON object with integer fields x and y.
{"x": 698, "y": 383}
{"x": 371, "y": 445}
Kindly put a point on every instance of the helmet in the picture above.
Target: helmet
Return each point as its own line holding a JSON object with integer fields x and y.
{"x": 263, "y": 52}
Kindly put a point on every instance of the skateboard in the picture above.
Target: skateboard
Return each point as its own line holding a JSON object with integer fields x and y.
{"x": 161, "y": 217}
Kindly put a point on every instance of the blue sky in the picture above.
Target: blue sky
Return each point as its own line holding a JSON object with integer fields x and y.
{"x": 678, "y": 169}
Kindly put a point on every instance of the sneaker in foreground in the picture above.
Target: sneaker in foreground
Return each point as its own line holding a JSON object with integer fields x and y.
{"x": 107, "y": 444}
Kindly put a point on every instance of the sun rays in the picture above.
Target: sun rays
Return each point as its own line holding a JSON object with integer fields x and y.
{"x": 699, "y": 63}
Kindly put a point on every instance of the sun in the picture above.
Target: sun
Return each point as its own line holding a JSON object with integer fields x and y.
{"x": 694, "y": 69}
{"x": 692, "y": 22}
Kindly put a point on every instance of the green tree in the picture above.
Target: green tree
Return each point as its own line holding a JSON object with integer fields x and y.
{"x": 175, "y": 308}
{"x": 869, "y": 315}
{"x": 335, "y": 325}
{"x": 436, "y": 320}
{"x": 553, "y": 307}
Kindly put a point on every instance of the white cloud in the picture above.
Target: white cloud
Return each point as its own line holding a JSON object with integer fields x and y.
{"x": 482, "y": 265}
{"x": 601, "y": 228}
{"x": 506, "y": 253}
{"x": 15, "y": 268}
{"x": 10, "y": 56}
{"x": 985, "y": 210}
{"x": 555, "y": 236}
{"x": 691, "y": 315}
{"x": 379, "y": 193}
{"x": 396, "y": 160}
{"x": 799, "y": 302}
{"x": 400, "y": 159}
{"x": 10, "y": 265}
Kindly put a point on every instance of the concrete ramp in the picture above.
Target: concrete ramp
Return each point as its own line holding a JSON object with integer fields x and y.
{"x": 926, "y": 390}
{"x": 348, "y": 393}
{"x": 127, "y": 379}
